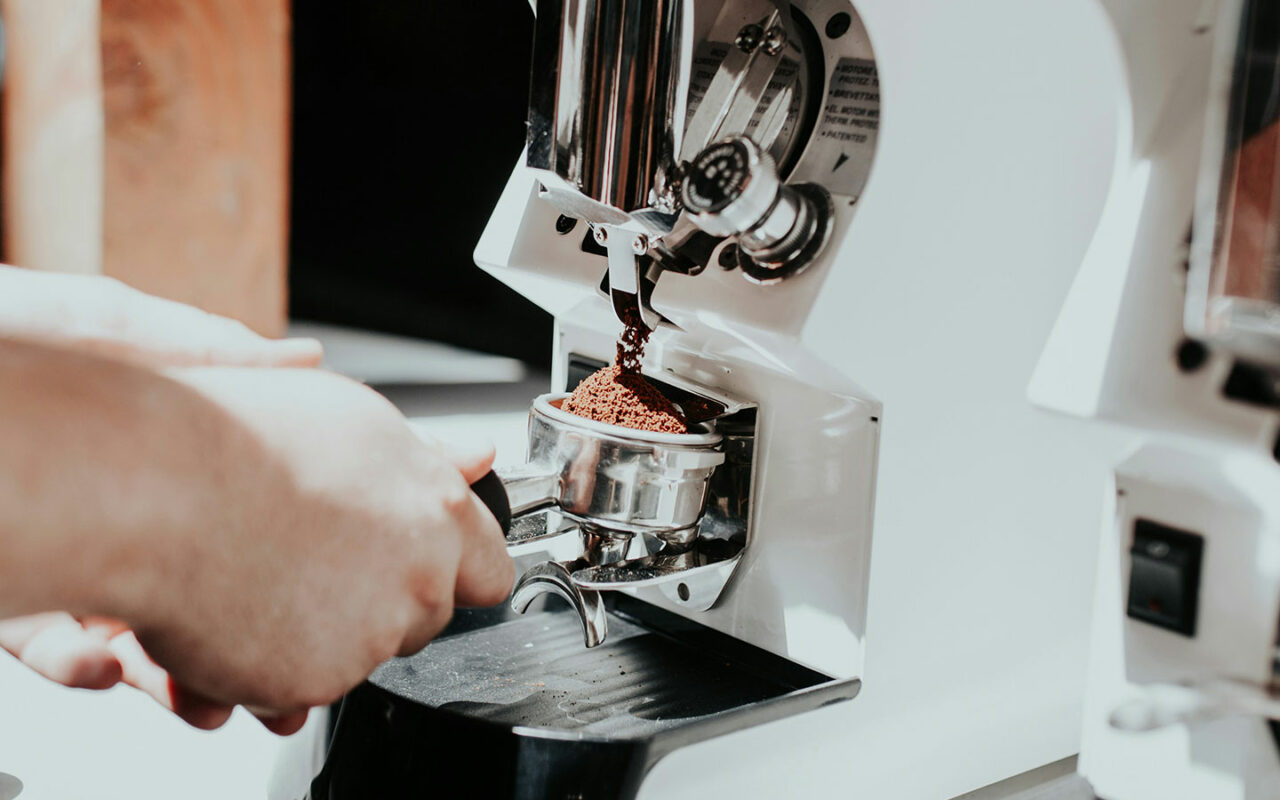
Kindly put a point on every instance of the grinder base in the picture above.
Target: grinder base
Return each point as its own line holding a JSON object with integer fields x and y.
{"x": 514, "y": 706}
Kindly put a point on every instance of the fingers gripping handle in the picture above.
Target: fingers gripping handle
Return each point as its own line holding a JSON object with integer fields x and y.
{"x": 518, "y": 491}
{"x": 523, "y": 491}
{"x": 494, "y": 495}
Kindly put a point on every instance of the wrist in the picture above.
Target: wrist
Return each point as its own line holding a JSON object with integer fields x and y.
{"x": 108, "y": 486}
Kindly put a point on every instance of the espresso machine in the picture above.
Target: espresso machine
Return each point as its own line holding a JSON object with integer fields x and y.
{"x": 1172, "y": 330}
{"x": 848, "y": 320}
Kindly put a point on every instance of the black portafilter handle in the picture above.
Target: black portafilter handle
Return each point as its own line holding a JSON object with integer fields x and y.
{"x": 494, "y": 495}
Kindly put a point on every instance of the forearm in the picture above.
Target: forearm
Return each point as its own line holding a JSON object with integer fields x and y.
{"x": 102, "y": 464}
{"x": 103, "y": 316}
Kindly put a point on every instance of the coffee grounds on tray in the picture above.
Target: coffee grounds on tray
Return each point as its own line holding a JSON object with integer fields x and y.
{"x": 619, "y": 398}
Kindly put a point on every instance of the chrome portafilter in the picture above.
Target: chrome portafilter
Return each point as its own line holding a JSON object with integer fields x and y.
{"x": 613, "y": 478}
{"x": 615, "y": 483}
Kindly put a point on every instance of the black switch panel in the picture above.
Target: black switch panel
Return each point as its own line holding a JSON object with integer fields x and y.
{"x": 1164, "y": 579}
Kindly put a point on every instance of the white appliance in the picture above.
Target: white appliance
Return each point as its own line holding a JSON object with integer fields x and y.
{"x": 985, "y": 175}
{"x": 969, "y": 152}
{"x": 1172, "y": 329}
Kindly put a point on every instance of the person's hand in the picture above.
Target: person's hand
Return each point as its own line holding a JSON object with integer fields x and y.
{"x": 99, "y": 653}
{"x": 101, "y": 315}
{"x": 355, "y": 547}
{"x": 61, "y": 648}
{"x": 337, "y": 539}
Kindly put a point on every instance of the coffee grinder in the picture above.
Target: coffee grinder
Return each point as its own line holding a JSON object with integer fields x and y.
{"x": 922, "y": 253}
{"x": 693, "y": 166}
{"x": 1173, "y": 331}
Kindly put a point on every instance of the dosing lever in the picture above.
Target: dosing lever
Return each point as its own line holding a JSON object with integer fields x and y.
{"x": 630, "y": 285}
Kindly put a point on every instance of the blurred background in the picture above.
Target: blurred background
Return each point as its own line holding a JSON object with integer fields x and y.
{"x": 319, "y": 169}
{"x": 391, "y": 191}
{"x": 335, "y": 162}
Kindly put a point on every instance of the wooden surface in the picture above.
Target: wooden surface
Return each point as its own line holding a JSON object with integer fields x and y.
{"x": 52, "y": 118}
{"x": 196, "y": 152}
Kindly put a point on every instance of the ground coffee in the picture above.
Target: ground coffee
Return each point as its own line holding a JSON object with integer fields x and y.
{"x": 620, "y": 395}
{"x": 635, "y": 335}
{"x": 620, "y": 398}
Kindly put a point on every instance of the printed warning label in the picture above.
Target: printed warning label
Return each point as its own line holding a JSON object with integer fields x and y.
{"x": 845, "y": 141}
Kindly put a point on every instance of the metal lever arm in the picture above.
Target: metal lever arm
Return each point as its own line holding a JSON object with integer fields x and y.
{"x": 530, "y": 488}
{"x": 629, "y": 290}
{"x": 744, "y": 75}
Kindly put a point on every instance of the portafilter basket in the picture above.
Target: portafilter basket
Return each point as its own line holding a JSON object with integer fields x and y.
{"x": 610, "y": 478}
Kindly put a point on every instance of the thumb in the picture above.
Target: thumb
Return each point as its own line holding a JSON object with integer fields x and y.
{"x": 472, "y": 457}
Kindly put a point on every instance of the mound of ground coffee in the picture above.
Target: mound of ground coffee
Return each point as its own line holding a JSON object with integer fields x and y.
{"x": 620, "y": 395}
{"x": 627, "y": 399}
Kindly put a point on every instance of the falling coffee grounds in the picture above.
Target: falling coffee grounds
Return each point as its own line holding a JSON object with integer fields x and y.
{"x": 635, "y": 335}
{"x": 620, "y": 395}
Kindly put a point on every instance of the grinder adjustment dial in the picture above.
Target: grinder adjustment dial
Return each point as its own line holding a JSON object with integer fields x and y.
{"x": 732, "y": 189}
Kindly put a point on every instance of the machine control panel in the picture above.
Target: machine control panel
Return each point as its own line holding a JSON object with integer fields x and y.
{"x": 1164, "y": 577}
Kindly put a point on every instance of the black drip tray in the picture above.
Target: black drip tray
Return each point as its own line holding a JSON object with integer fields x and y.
{"x": 548, "y": 718}
{"x": 534, "y": 672}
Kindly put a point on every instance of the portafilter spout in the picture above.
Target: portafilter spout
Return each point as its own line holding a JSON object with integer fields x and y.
{"x": 613, "y": 482}
{"x": 521, "y": 493}
{"x": 553, "y": 577}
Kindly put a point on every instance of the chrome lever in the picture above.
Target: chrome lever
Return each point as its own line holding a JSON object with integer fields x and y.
{"x": 764, "y": 36}
{"x": 629, "y": 289}
{"x": 530, "y": 488}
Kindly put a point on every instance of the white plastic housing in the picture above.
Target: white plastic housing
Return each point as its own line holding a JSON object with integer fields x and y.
{"x": 996, "y": 150}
